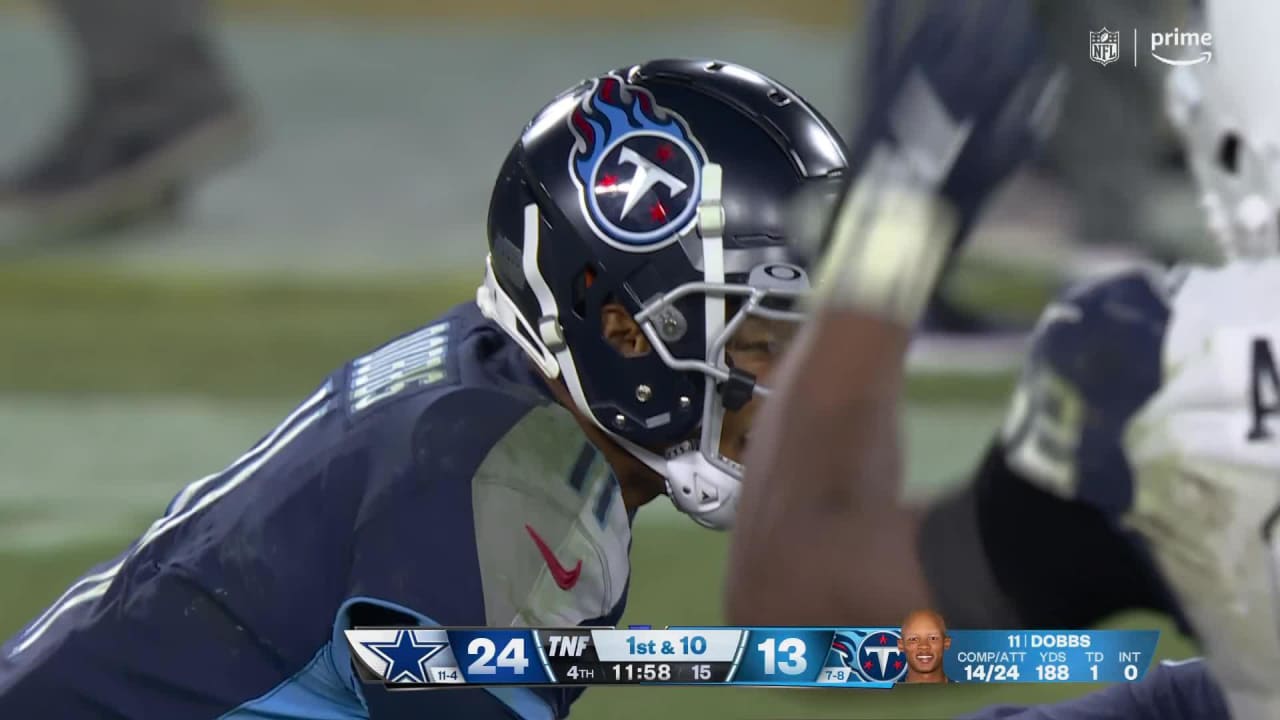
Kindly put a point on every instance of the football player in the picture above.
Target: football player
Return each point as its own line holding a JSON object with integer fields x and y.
{"x": 1144, "y": 406}
{"x": 484, "y": 469}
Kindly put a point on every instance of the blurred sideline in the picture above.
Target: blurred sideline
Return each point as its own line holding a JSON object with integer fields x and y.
{"x": 379, "y": 152}
{"x": 796, "y": 12}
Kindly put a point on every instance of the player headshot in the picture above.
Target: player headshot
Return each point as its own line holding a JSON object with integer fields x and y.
{"x": 924, "y": 639}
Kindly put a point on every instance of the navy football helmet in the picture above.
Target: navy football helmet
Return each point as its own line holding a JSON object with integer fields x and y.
{"x": 663, "y": 187}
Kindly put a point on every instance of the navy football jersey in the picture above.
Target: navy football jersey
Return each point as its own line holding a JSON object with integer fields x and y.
{"x": 433, "y": 481}
{"x": 1170, "y": 691}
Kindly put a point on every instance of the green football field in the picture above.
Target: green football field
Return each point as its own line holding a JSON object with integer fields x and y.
{"x": 119, "y": 389}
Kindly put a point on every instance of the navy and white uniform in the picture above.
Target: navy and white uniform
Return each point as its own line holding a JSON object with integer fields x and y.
{"x": 1083, "y": 506}
{"x": 1011, "y": 547}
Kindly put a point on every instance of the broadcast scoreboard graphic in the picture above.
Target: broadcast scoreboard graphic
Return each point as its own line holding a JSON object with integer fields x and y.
{"x": 867, "y": 657}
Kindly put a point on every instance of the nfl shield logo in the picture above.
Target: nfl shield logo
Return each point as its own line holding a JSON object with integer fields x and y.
{"x": 1104, "y": 46}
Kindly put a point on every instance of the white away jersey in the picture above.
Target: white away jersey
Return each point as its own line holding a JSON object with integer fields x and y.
{"x": 1156, "y": 398}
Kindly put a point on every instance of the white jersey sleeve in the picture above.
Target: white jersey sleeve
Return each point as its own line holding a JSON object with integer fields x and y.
{"x": 1204, "y": 452}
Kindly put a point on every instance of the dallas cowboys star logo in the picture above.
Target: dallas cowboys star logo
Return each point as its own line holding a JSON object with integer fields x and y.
{"x": 406, "y": 657}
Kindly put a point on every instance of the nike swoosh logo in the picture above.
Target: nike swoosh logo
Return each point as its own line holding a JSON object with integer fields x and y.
{"x": 564, "y": 577}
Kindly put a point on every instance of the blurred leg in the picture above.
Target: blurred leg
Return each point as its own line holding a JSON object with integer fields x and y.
{"x": 156, "y": 111}
{"x": 156, "y": 40}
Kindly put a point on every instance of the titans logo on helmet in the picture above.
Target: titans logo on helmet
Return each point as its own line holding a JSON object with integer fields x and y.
{"x": 879, "y": 658}
{"x": 637, "y": 167}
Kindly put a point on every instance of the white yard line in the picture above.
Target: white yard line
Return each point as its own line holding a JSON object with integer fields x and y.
{"x": 335, "y": 187}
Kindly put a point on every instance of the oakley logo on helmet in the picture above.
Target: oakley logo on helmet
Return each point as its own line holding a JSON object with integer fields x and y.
{"x": 637, "y": 167}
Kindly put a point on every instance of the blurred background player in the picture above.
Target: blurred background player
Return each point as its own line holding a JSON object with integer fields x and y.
{"x": 156, "y": 110}
{"x": 1144, "y": 405}
{"x": 1204, "y": 448}
{"x": 635, "y": 296}
{"x": 924, "y": 641}
{"x": 1140, "y": 425}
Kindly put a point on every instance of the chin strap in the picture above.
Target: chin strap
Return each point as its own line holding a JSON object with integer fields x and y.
{"x": 697, "y": 487}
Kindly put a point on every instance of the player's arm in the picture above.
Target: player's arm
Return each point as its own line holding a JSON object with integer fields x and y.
{"x": 822, "y": 536}
{"x": 823, "y": 470}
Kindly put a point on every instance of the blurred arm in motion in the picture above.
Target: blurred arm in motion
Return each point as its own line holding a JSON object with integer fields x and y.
{"x": 823, "y": 537}
{"x": 823, "y": 474}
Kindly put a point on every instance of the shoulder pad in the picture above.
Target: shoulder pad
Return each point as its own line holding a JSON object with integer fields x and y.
{"x": 1095, "y": 359}
{"x": 1093, "y": 331}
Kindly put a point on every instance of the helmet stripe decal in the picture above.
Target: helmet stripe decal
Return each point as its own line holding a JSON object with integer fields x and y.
{"x": 529, "y": 260}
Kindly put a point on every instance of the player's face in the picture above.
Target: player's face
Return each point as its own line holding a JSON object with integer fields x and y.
{"x": 923, "y": 641}
{"x": 755, "y": 348}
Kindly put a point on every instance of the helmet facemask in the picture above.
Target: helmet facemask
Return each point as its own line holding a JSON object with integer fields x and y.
{"x": 755, "y": 322}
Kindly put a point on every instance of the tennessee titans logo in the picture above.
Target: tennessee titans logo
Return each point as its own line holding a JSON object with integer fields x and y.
{"x": 879, "y": 658}
{"x": 637, "y": 167}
